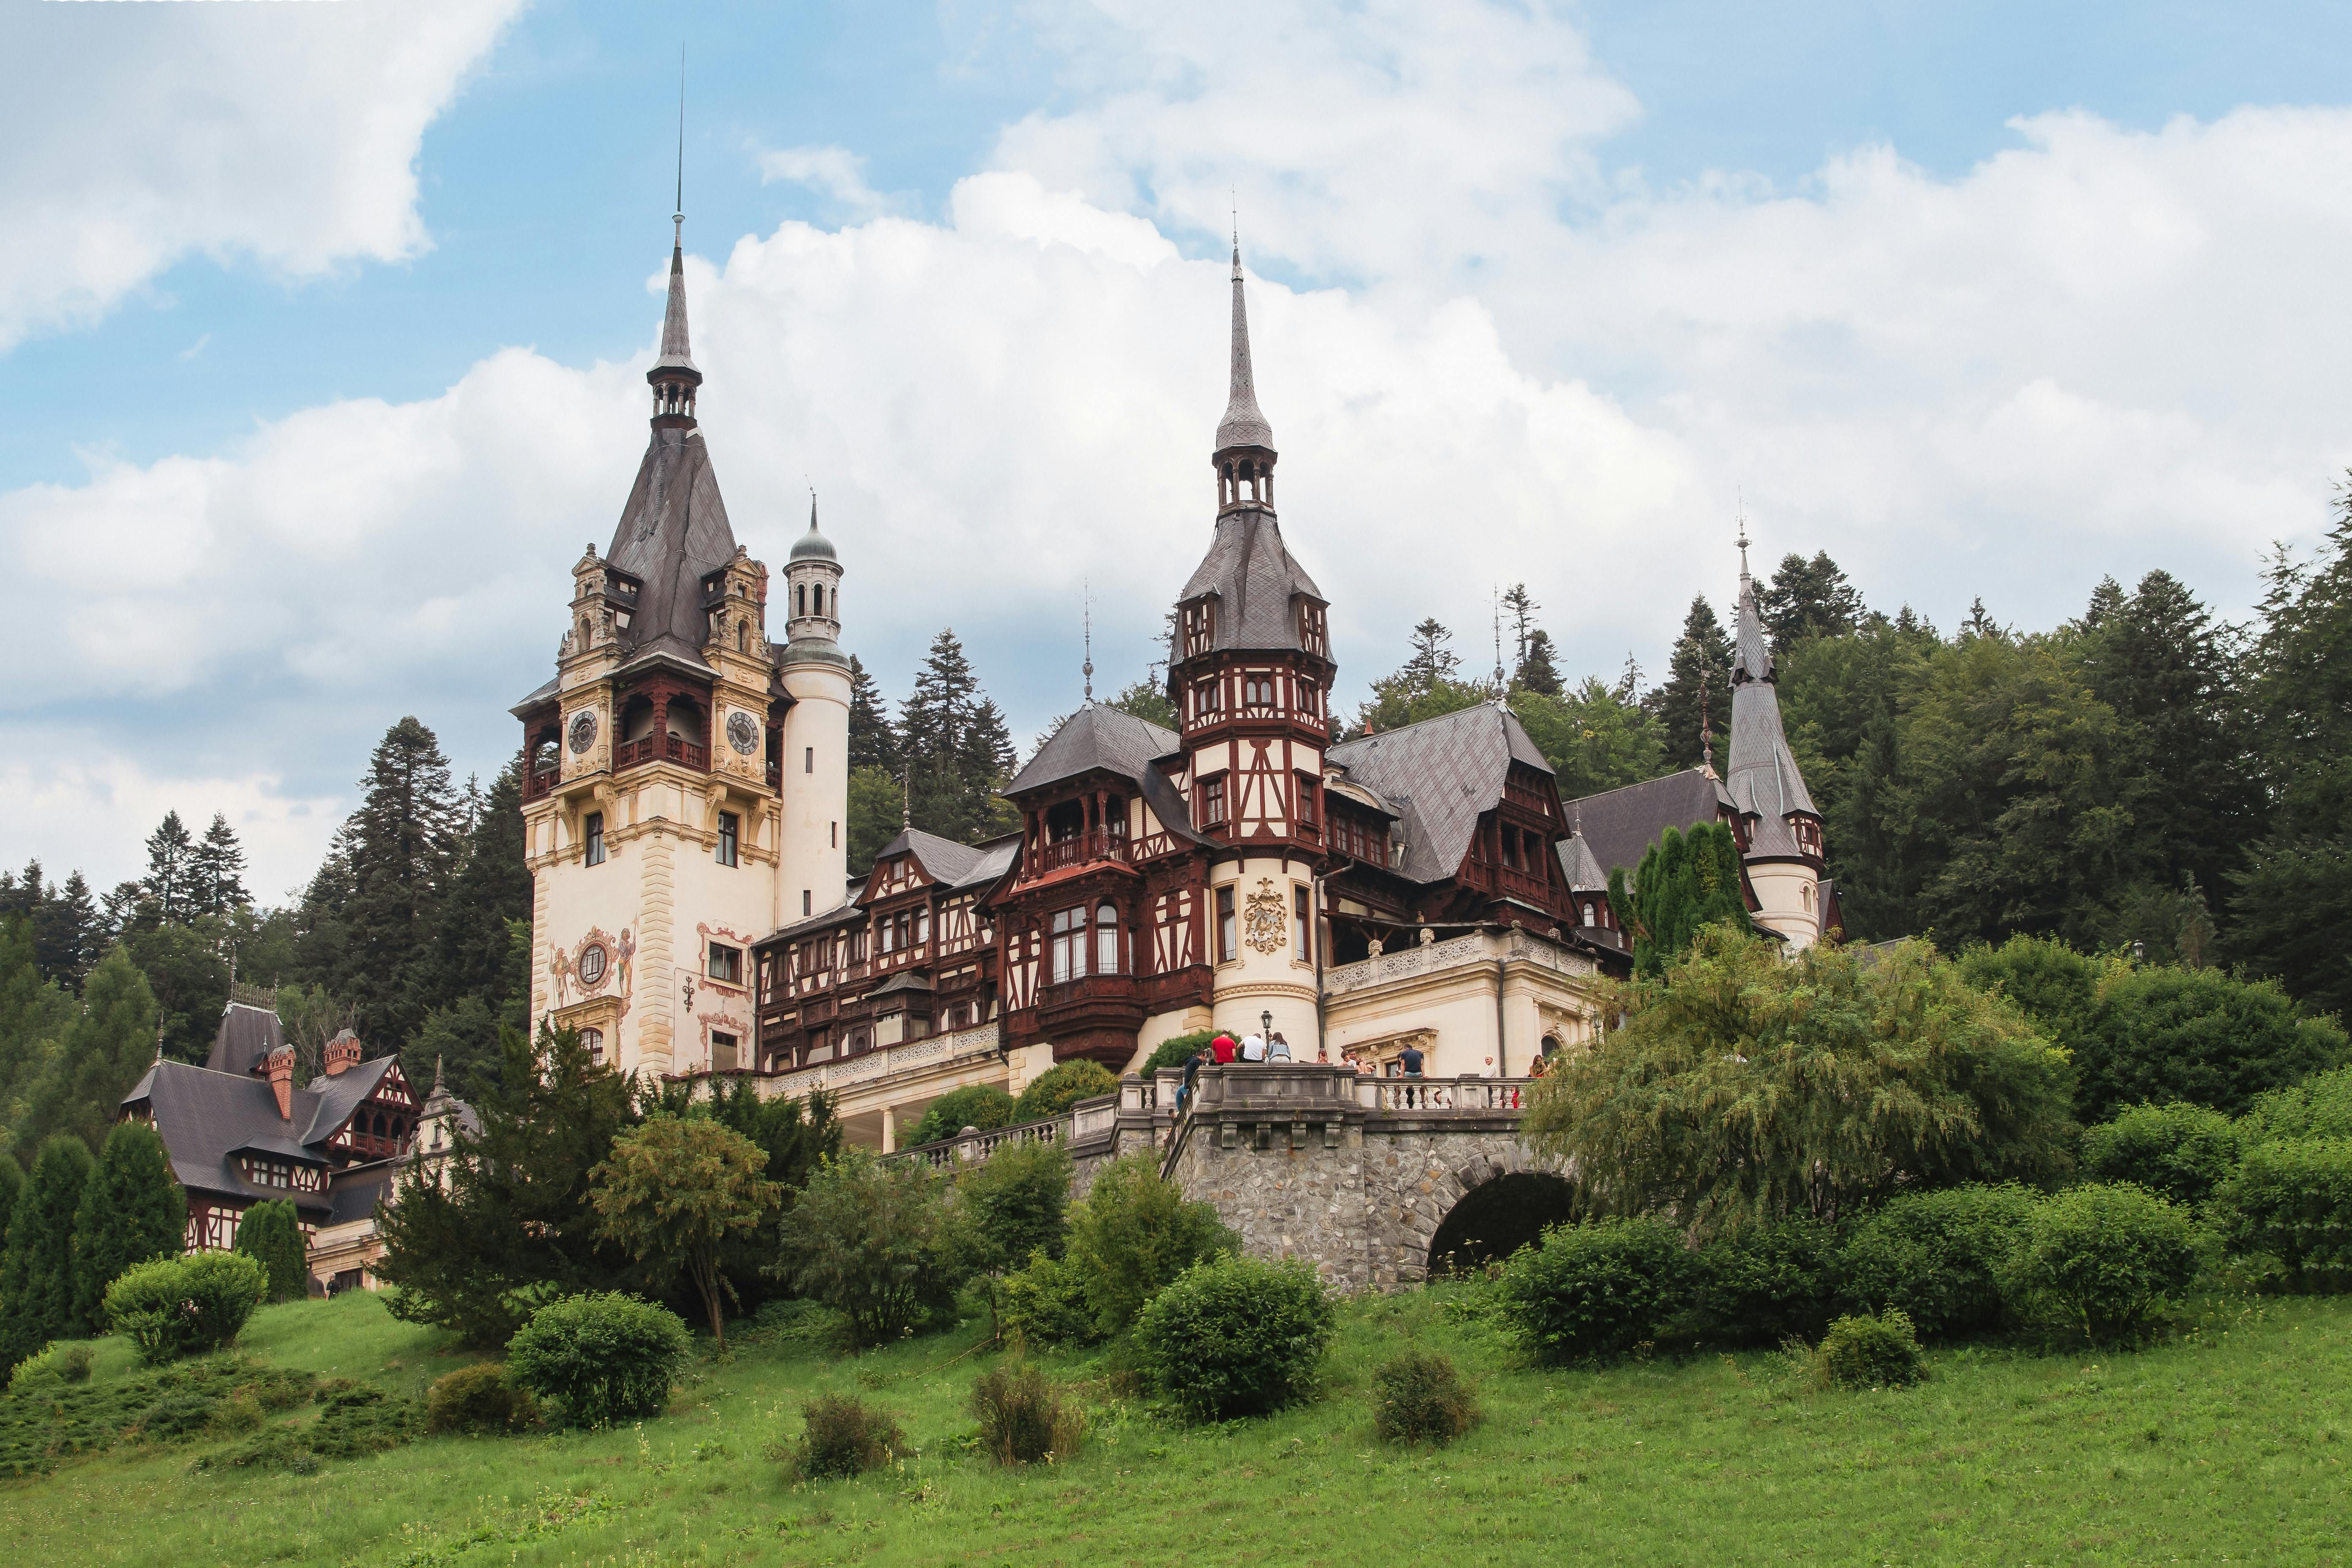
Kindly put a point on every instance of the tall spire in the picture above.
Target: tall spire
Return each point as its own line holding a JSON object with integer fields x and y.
{"x": 1085, "y": 591}
{"x": 1243, "y": 425}
{"x": 674, "y": 377}
{"x": 1751, "y": 653}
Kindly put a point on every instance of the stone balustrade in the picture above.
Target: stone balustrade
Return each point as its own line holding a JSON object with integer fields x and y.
{"x": 1480, "y": 947}
{"x": 888, "y": 1061}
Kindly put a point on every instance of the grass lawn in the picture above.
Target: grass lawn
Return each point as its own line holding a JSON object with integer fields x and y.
{"x": 2228, "y": 1443}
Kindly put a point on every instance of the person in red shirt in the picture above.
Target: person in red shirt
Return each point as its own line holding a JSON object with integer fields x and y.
{"x": 1221, "y": 1048}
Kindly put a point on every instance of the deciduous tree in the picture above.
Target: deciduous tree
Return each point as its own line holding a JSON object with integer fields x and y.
{"x": 672, "y": 1192}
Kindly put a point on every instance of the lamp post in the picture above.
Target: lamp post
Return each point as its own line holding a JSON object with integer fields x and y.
{"x": 1265, "y": 1028}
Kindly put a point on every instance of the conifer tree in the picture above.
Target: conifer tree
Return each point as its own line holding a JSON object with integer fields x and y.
{"x": 12, "y": 1187}
{"x": 99, "y": 1057}
{"x": 1538, "y": 669}
{"x": 872, "y": 743}
{"x": 1518, "y": 607}
{"x": 189, "y": 977}
{"x": 1686, "y": 883}
{"x": 1702, "y": 657}
{"x": 66, "y": 933}
{"x": 34, "y": 1013}
{"x": 954, "y": 745}
{"x": 169, "y": 883}
{"x": 217, "y": 870}
{"x": 131, "y": 1210}
{"x": 490, "y": 890}
{"x": 1806, "y": 599}
{"x": 401, "y": 847}
{"x": 271, "y": 1234}
{"x": 1433, "y": 661}
{"x": 37, "y": 1281}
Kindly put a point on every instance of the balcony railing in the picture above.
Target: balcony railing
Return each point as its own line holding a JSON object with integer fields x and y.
{"x": 660, "y": 749}
{"x": 541, "y": 783}
{"x": 1089, "y": 845}
{"x": 1521, "y": 884}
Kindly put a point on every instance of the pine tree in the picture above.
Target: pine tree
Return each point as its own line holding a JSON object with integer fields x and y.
{"x": 66, "y": 934}
{"x": 130, "y": 1211}
{"x": 170, "y": 870}
{"x": 490, "y": 890}
{"x": 12, "y": 1187}
{"x": 1519, "y": 607}
{"x": 955, "y": 748}
{"x": 1432, "y": 662}
{"x": 100, "y": 1056}
{"x": 215, "y": 875}
{"x": 1808, "y": 599}
{"x": 877, "y": 806}
{"x": 872, "y": 743}
{"x": 270, "y": 1234}
{"x": 1684, "y": 882}
{"x": 34, "y": 1013}
{"x": 36, "y": 1282}
{"x": 189, "y": 978}
{"x": 1701, "y": 656}
{"x": 401, "y": 847}
{"x": 1539, "y": 668}
{"x": 987, "y": 765}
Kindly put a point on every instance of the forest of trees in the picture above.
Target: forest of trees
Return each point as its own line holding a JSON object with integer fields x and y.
{"x": 2144, "y": 778}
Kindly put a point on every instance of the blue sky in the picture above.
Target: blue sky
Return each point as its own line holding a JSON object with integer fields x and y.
{"x": 1601, "y": 263}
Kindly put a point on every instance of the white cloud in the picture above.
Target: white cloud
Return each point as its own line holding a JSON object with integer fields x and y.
{"x": 288, "y": 134}
{"x": 836, "y": 171}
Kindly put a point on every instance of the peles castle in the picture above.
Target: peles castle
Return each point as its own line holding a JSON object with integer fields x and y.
{"x": 686, "y": 807}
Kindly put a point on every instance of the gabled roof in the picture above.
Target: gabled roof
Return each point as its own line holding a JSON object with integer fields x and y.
{"x": 1582, "y": 866}
{"x": 1110, "y": 740}
{"x": 246, "y": 1034}
{"x": 336, "y": 1098}
{"x": 672, "y": 534}
{"x": 1618, "y": 826}
{"x": 1253, "y": 580}
{"x": 206, "y": 1117}
{"x": 1442, "y": 773}
{"x": 943, "y": 860}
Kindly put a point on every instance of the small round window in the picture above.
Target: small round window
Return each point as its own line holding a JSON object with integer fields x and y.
{"x": 592, "y": 963}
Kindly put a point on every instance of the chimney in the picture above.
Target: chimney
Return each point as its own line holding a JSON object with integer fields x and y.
{"x": 343, "y": 1053}
{"x": 281, "y": 1081}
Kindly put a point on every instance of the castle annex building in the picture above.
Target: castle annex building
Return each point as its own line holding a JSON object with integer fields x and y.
{"x": 686, "y": 796}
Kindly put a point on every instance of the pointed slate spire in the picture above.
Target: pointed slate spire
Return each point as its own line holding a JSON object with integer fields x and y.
{"x": 1243, "y": 425}
{"x": 674, "y": 350}
{"x": 1751, "y": 655}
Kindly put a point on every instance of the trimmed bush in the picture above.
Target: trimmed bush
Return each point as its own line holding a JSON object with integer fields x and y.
{"x": 2161, "y": 1033}
{"x": 271, "y": 1234}
{"x": 1937, "y": 1257}
{"x": 1876, "y": 1350}
{"x": 1596, "y": 1289}
{"x": 1060, "y": 1086}
{"x": 1022, "y": 1419}
{"x": 1763, "y": 1283}
{"x": 2180, "y": 1151}
{"x": 186, "y": 1306}
{"x": 600, "y": 1358}
{"x": 1237, "y": 1336}
{"x": 1047, "y": 1304}
{"x": 1418, "y": 1398}
{"x": 1175, "y": 1051}
{"x": 981, "y": 1105}
{"x": 2294, "y": 1202}
{"x": 479, "y": 1400}
{"x": 2102, "y": 1261}
{"x": 1134, "y": 1233}
{"x": 58, "y": 1365}
{"x": 844, "y": 1436}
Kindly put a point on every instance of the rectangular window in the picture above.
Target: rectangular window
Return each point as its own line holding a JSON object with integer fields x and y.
{"x": 1067, "y": 950}
{"x": 1212, "y": 801}
{"x": 727, "y": 963}
{"x": 730, "y": 830}
{"x": 808, "y": 759}
{"x": 1301, "y": 923}
{"x": 1227, "y": 947}
{"x": 722, "y": 1052}
{"x": 1305, "y": 800}
{"x": 804, "y": 900}
{"x": 593, "y": 833}
{"x": 832, "y": 836}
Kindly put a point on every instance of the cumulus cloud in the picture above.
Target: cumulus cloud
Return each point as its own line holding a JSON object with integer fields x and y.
{"x": 288, "y": 134}
{"x": 834, "y": 172}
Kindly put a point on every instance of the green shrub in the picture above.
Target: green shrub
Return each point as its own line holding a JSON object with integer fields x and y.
{"x": 479, "y": 1399}
{"x": 1047, "y": 1304}
{"x": 981, "y": 1105}
{"x": 1762, "y": 1283}
{"x": 794, "y": 1321}
{"x": 1017, "y": 1203}
{"x": 1022, "y": 1417}
{"x": 177, "y": 1415}
{"x": 1235, "y": 1336}
{"x": 58, "y": 1365}
{"x": 1060, "y": 1086}
{"x": 1175, "y": 1051}
{"x": 2102, "y": 1261}
{"x": 2180, "y": 1150}
{"x": 2318, "y": 1107}
{"x": 2160, "y": 1034}
{"x": 1134, "y": 1232}
{"x": 1937, "y": 1257}
{"x": 600, "y": 1358}
{"x": 873, "y": 1239}
{"x": 844, "y": 1436}
{"x": 1598, "y": 1288}
{"x": 1418, "y": 1398}
{"x": 361, "y": 1421}
{"x": 2294, "y": 1202}
{"x": 1878, "y": 1351}
{"x": 271, "y": 1234}
{"x": 186, "y": 1306}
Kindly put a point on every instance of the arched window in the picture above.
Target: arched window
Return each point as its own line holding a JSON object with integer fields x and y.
{"x": 1106, "y": 940}
{"x": 594, "y": 1040}
{"x": 816, "y": 600}
{"x": 743, "y": 637}
{"x": 800, "y": 599}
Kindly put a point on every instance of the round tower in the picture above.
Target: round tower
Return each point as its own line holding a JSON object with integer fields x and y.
{"x": 815, "y": 759}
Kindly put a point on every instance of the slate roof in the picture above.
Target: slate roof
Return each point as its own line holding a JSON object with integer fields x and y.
{"x": 1762, "y": 776}
{"x": 334, "y": 1098}
{"x": 1583, "y": 868}
{"x": 672, "y": 534}
{"x": 676, "y": 353}
{"x": 1116, "y": 742}
{"x": 1243, "y": 425}
{"x": 1441, "y": 774}
{"x": 205, "y": 1117}
{"x": 1618, "y": 826}
{"x": 944, "y": 860}
{"x": 1254, "y": 580}
{"x": 246, "y": 1034}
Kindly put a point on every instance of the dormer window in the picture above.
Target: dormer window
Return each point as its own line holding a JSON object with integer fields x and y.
{"x": 1200, "y": 627}
{"x": 1257, "y": 691}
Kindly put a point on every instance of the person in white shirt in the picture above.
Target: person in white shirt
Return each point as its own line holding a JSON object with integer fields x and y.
{"x": 1253, "y": 1047}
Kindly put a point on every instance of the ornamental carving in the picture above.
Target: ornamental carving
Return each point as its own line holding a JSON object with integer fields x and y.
{"x": 1265, "y": 923}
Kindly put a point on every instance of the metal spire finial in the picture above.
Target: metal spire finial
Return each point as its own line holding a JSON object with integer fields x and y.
{"x": 678, "y": 213}
{"x": 1742, "y": 514}
{"x": 1500, "y": 683}
{"x": 1705, "y": 729}
{"x": 1087, "y": 599}
{"x": 907, "y": 800}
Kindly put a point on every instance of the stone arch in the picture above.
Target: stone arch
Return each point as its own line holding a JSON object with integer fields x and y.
{"x": 1427, "y": 1204}
{"x": 1497, "y": 1218}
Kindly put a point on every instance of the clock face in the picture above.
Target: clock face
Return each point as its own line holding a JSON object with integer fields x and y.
{"x": 584, "y": 732}
{"x": 742, "y": 731}
{"x": 590, "y": 966}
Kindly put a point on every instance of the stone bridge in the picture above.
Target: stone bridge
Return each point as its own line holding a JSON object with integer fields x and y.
{"x": 1370, "y": 1179}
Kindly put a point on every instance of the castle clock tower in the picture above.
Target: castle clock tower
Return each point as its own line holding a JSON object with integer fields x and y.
{"x": 679, "y": 770}
{"x": 1250, "y": 676}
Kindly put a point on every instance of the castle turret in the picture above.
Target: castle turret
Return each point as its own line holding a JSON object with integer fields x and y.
{"x": 814, "y": 752}
{"x": 1779, "y": 825}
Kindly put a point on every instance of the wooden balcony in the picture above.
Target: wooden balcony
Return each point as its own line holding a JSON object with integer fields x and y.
{"x": 662, "y": 749}
{"x": 1522, "y": 885}
{"x": 539, "y": 785}
{"x": 1083, "y": 848}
